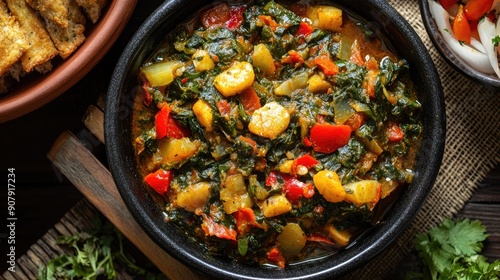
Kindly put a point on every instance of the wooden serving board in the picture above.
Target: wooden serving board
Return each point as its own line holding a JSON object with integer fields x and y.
{"x": 74, "y": 159}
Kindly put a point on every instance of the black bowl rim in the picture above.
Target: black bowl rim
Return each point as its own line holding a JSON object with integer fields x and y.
{"x": 121, "y": 162}
{"x": 449, "y": 56}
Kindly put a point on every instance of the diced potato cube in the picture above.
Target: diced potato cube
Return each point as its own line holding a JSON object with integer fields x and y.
{"x": 234, "y": 194}
{"x": 363, "y": 192}
{"x": 235, "y": 79}
{"x": 269, "y": 121}
{"x": 325, "y": 17}
{"x": 275, "y": 205}
{"x": 203, "y": 112}
{"x": 317, "y": 84}
{"x": 292, "y": 239}
{"x": 262, "y": 59}
{"x": 286, "y": 167}
{"x": 194, "y": 196}
{"x": 175, "y": 151}
{"x": 161, "y": 73}
{"x": 340, "y": 237}
{"x": 202, "y": 61}
{"x": 328, "y": 184}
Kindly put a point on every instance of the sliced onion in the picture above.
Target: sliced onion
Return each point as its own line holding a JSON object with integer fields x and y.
{"x": 486, "y": 30}
{"x": 474, "y": 58}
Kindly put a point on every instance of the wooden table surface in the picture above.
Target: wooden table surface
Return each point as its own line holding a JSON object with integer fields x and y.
{"x": 44, "y": 195}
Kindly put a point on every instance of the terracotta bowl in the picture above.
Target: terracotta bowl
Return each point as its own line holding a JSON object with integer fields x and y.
{"x": 123, "y": 166}
{"x": 490, "y": 81}
{"x": 36, "y": 90}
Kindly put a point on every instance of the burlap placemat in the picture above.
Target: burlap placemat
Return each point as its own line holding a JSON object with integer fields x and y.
{"x": 472, "y": 150}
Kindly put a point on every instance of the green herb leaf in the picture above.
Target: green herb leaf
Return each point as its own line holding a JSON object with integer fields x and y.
{"x": 452, "y": 250}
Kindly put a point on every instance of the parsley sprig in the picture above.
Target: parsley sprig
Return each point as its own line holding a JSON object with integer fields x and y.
{"x": 95, "y": 254}
{"x": 452, "y": 250}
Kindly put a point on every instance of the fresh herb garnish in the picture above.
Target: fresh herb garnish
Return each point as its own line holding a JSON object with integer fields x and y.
{"x": 496, "y": 40}
{"x": 95, "y": 254}
{"x": 452, "y": 250}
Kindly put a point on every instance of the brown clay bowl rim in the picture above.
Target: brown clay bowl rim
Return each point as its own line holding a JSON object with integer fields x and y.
{"x": 43, "y": 89}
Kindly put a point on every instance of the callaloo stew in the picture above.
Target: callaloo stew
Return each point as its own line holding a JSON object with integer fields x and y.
{"x": 271, "y": 133}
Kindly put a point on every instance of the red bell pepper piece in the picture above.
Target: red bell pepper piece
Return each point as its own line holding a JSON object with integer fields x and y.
{"x": 216, "y": 16}
{"x": 293, "y": 188}
{"x": 235, "y": 17}
{"x": 166, "y": 126}
{"x": 159, "y": 180}
{"x": 211, "y": 228}
{"x": 272, "y": 179}
{"x": 275, "y": 256}
{"x": 306, "y": 161}
{"x": 250, "y": 100}
{"x": 327, "y": 138}
{"x": 304, "y": 29}
{"x": 394, "y": 133}
{"x": 326, "y": 65}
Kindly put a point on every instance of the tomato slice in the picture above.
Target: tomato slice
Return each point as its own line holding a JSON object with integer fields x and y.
{"x": 326, "y": 65}
{"x": 250, "y": 100}
{"x": 304, "y": 29}
{"x": 211, "y": 228}
{"x": 475, "y": 9}
{"x": 461, "y": 27}
{"x": 159, "y": 180}
{"x": 275, "y": 256}
{"x": 216, "y": 16}
{"x": 394, "y": 133}
{"x": 235, "y": 17}
{"x": 327, "y": 138}
{"x": 245, "y": 218}
{"x": 447, "y": 3}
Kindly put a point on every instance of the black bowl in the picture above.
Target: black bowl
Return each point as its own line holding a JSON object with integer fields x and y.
{"x": 385, "y": 20}
{"x": 490, "y": 81}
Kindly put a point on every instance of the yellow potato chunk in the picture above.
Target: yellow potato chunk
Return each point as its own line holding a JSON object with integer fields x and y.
{"x": 175, "y": 151}
{"x": 234, "y": 194}
{"x": 203, "y": 112}
{"x": 275, "y": 205}
{"x": 328, "y": 184}
{"x": 317, "y": 84}
{"x": 325, "y": 17}
{"x": 194, "y": 196}
{"x": 235, "y": 79}
{"x": 363, "y": 192}
{"x": 340, "y": 237}
{"x": 202, "y": 61}
{"x": 262, "y": 59}
{"x": 161, "y": 73}
{"x": 269, "y": 121}
{"x": 292, "y": 239}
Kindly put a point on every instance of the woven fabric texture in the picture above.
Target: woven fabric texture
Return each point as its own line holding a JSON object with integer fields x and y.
{"x": 472, "y": 150}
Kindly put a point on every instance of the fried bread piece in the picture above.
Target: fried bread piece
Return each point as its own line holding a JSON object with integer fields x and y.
{"x": 12, "y": 40}
{"x": 67, "y": 39}
{"x": 53, "y": 10}
{"x": 93, "y": 8}
{"x": 41, "y": 49}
